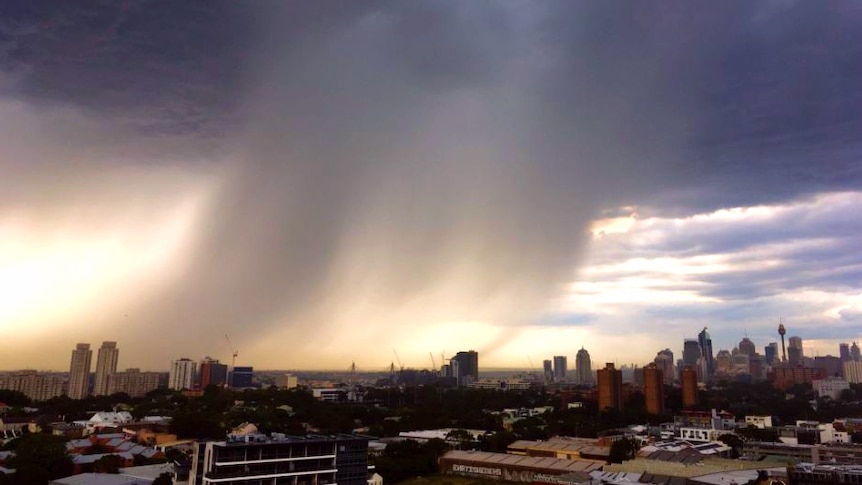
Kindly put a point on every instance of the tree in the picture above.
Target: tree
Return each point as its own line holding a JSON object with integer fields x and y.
{"x": 108, "y": 464}
{"x": 623, "y": 449}
{"x": 164, "y": 479}
{"x": 45, "y": 452}
{"x": 734, "y": 442}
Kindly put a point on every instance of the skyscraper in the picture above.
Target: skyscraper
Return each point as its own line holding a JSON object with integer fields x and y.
{"x": 794, "y": 350}
{"x": 106, "y": 366}
{"x": 560, "y": 364}
{"x": 654, "y": 389}
{"x": 548, "y": 368}
{"x": 610, "y": 387}
{"x": 705, "y": 342}
{"x": 584, "y": 368}
{"x": 689, "y": 386}
{"x": 691, "y": 353}
{"x": 664, "y": 361}
{"x": 771, "y": 353}
{"x": 844, "y": 351}
{"x": 747, "y": 347}
{"x": 182, "y": 374}
{"x": 854, "y": 352}
{"x": 79, "y": 372}
{"x": 465, "y": 366}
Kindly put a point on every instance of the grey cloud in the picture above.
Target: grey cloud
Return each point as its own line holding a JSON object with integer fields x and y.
{"x": 441, "y": 157}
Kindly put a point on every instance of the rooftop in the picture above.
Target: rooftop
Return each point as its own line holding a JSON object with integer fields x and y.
{"x": 542, "y": 463}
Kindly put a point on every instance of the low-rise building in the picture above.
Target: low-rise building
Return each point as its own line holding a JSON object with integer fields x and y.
{"x": 253, "y": 457}
{"x": 761, "y": 422}
{"x": 514, "y": 468}
{"x": 562, "y": 447}
{"x": 831, "y": 387}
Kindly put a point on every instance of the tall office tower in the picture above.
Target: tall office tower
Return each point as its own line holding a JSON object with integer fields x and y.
{"x": 610, "y": 387}
{"x": 689, "y": 387}
{"x": 794, "y": 350}
{"x": 844, "y": 351}
{"x": 560, "y": 364}
{"x": 465, "y": 366}
{"x": 664, "y": 361}
{"x": 723, "y": 362}
{"x": 770, "y": 352}
{"x": 548, "y": 368}
{"x": 691, "y": 352}
{"x": 213, "y": 373}
{"x": 584, "y": 368}
{"x": 106, "y": 366}
{"x": 79, "y": 372}
{"x": 746, "y": 346}
{"x": 705, "y": 342}
{"x": 182, "y": 374}
{"x": 654, "y": 389}
{"x": 854, "y": 352}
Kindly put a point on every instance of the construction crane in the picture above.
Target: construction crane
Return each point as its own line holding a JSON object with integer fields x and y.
{"x": 433, "y": 362}
{"x": 400, "y": 365}
{"x": 234, "y": 350}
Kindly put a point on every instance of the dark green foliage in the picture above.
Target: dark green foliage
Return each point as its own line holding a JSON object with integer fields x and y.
{"x": 753, "y": 433}
{"x": 733, "y": 441}
{"x": 40, "y": 455}
{"x": 497, "y": 442}
{"x": 164, "y": 479}
{"x": 623, "y": 449}
{"x": 108, "y": 464}
{"x": 408, "y": 459}
{"x": 14, "y": 398}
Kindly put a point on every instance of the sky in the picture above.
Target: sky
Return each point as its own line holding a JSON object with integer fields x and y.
{"x": 326, "y": 182}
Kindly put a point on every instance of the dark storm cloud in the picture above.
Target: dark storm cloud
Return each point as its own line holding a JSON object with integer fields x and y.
{"x": 158, "y": 66}
{"x": 387, "y": 157}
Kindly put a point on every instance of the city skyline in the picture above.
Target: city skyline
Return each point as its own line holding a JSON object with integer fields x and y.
{"x": 427, "y": 177}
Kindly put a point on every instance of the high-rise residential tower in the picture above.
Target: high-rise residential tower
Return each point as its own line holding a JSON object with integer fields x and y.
{"x": 689, "y": 386}
{"x": 610, "y": 382}
{"x": 548, "y": 369}
{"x": 213, "y": 373}
{"x": 106, "y": 366}
{"x": 79, "y": 372}
{"x": 584, "y": 368}
{"x": 705, "y": 342}
{"x": 182, "y": 374}
{"x": 654, "y": 389}
{"x": 560, "y": 364}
